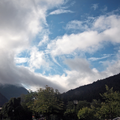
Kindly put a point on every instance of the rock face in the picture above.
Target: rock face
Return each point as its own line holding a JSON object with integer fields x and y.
{"x": 3, "y": 100}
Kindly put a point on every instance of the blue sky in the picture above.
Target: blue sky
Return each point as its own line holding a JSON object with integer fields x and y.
{"x": 63, "y": 44}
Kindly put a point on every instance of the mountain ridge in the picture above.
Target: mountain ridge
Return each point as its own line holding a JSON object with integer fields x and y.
{"x": 92, "y": 91}
{"x": 3, "y": 99}
{"x": 8, "y": 91}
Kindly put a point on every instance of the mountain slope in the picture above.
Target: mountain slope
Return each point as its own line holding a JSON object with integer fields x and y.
{"x": 3, "y": 99}
{"x": 10, "y": 91}
{"x": 92, "y": 91}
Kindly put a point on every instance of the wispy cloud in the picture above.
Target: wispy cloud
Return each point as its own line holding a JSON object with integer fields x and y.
{"x": 94, "y": 6}
{"x": 77, "y": 25}
{"x": 45, "y": 39}
{"x": 60, "y": 11}
{"x": 100, "y": 58}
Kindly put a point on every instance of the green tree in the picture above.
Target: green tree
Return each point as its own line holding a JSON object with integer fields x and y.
{"x": 14, "y": 111}
{"x": 82, "y": 104}
{"x": 47, "y": 102}
{"x": 86, "y": 113}
{"x": 28, "y": 100}
{"x": 110, "y": 108}
{"x": 70, "y": 111}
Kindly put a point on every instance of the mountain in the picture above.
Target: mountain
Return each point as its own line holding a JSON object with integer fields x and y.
{"x": 3, "y": 99}
{"x": 10, "y": 91}
{"x": 92, "y": 91}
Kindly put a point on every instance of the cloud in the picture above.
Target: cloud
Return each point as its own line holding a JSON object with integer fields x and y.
{"x": 104, "y": 9}
{"x": 45, "y": 39}
{"x": 20, "y": 22}
{"x": 100, "y": 58}
{"x": 37, "y": 59}
{"x": 78, "y": 64}
{"x": 95, "y": 6}
{"x": 60, "y": 11}
{"x": 77, "y": 25}
{"x": 86, "y": 41}
{"x": 103, "y": 29}
{"x": 81, "y": 73}
{"x": 21, "y": 60}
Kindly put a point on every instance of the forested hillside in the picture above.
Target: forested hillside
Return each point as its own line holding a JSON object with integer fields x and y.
{"x": 92, "y": 91}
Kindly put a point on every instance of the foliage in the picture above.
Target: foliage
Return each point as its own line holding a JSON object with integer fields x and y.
{"x": 70, "y": 111}
{"x": 82, "y": 104}
{"x": 47, "y": 101}
{"x": 86, "y": 113}
{"x": 14, "y": 111}
{"x": 28, "y": 100}
{"x": 110, "y": 108}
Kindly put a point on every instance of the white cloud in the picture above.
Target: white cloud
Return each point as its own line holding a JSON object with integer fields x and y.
{"x": 45, "y": 39}
{"x": 103, "y": 29}
{"x": 21, "y": 60}
{"x": 86, "y": 41}
{"x": 20, "y": 22}
{"x": 77, "y": 25}
{"x": 81, "y": 72}
{"x": 37, "y": 59}
{"x": 100, "y": 58}
{"x": 60, "y": 11}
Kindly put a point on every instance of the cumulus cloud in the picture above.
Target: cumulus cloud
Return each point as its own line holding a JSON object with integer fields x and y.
{"x": 86, "y": 41}
{"x": 103, "y": 29}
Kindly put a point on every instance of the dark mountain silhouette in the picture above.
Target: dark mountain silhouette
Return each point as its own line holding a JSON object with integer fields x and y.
{"x": 92, "y": 91}
{"x": 3, "y": 99}
{"x": 10, "y": 91}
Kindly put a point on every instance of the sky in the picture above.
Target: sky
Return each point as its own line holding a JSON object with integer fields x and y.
{"x": 60, "y": 43}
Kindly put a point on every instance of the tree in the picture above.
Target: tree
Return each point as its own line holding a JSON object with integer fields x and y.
{"x": 28, "y": 100}
{"x": 14, "y": 111}
{"x": 47, "y": 102}
{"x": 82, "y": 104}
{"x": 86, "y": 113}
{"x": 110, "y": 108}
{"x": 70, "y": 111}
